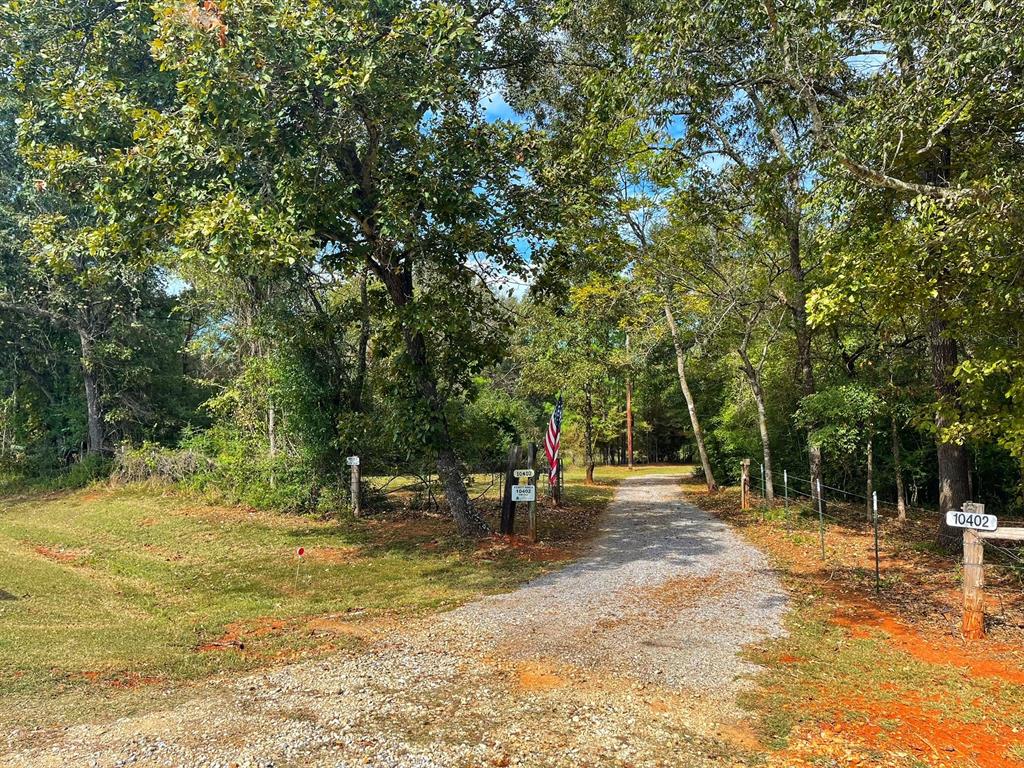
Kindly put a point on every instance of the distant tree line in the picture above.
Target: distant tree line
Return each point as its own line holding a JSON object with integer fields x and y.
{"x": 274, "y": 234}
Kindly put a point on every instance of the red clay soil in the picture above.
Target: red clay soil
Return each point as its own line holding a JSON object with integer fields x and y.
{"x": 861, "y": 619}
{"x": 62, "y": 555}
{"x": 917, "y": 613}
{"x": 536, "y": 676}
{"x": 238, "y": 633}
{"x": 920, "y": 587}
{"x": 910, "y": 731}
{"x": 899, "y": 727}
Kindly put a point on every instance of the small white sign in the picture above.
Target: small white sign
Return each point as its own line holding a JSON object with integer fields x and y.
{"x": 524, "y": 493}
{"x": 352, "y": 461}
{"x": 523, "y": 473}
{"x": 972, "y": 516}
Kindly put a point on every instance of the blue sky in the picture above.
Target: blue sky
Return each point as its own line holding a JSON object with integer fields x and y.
{"x": 496, "y": 108}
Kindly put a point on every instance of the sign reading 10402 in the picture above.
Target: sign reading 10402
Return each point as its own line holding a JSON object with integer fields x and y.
{"x": 972, "y": 516}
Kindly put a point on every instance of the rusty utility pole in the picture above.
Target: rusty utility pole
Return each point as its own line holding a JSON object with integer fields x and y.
{"x": 629, "y": 412}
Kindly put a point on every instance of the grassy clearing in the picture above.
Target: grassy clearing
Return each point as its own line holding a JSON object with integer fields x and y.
{"x": 873, "y": 680}
{"x": 110, "y": 596}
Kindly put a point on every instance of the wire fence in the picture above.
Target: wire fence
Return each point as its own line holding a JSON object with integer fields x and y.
{"x": 888, "y": 529}
{"x": 419, "y": 487}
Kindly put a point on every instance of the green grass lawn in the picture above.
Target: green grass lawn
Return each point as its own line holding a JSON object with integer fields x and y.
{"x": 103, "y": 589}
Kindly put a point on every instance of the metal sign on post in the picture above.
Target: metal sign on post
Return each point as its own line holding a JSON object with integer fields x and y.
{"x": 523, "y": 473}
{"x": 524, "y": 493}
{"x": 352, "y": 461}
{"x": 971, "y": 516}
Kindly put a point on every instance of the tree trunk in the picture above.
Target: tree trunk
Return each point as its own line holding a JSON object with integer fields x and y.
{"x": 952, "y": 458}
{"x": 901, "y": 496}
{"x": 272, "y": 439}
{"x": 359, "y": 380}
{"x": 629, "y": 414}
{"x": 93, "y": 403}
{"x": 629, "y": 424}
{"x": 272, "y": 429}
{"x": 754, "y": 378}
{"x": 588, "y": 437}
{"x": 954, "y": 470}
{"x": 802, "y": 332}
{"x": 400, "y": 288}
{"x": 698, "y": 435}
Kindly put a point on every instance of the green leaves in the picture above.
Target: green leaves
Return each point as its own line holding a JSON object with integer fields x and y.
{"x": 840, "y": 419}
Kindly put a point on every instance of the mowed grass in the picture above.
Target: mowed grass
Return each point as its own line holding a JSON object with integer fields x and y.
{"x": 111, "y": 597}
{"x": 103, "y": 589}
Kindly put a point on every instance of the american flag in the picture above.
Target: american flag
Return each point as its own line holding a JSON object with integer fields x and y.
{"x": 552, "y": 441}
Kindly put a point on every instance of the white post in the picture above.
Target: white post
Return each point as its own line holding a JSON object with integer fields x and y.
{"x": 785, "y": 485}
{"x": 357, "y": 507}
{"x": 874, "y": 506}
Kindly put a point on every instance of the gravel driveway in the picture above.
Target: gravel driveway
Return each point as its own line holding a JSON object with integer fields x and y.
{"x": 628, "y": 657}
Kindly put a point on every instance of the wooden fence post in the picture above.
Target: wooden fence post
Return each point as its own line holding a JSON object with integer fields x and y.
{"x": 745, "y": 484}
{"x": 531, "y": 462}
{"x": 973, "y": 625}
{"x": 355, "y": 489}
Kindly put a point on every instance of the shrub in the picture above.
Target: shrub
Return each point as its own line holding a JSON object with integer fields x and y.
{"x": 154, "y": 462}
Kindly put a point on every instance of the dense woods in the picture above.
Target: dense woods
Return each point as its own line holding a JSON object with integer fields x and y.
{"x": 243, "y": 240}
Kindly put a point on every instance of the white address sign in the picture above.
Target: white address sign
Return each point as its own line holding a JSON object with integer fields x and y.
{"x": 972, "y": 516}
{"x": 524, "y": 493}
{"x": 523, "y": 473}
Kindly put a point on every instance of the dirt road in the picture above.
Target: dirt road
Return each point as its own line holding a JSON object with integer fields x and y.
{"x": 629, "y": 656}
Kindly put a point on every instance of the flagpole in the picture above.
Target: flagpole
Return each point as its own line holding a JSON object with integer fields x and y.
{"x": 561, "y": 483}
{"x": 552, "y": 443}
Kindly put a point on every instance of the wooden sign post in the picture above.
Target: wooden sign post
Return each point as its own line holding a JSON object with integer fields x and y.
{"x": 973, "y": 624}
{"x": 357, "y": 504}
{"x": 745, "y": 484}
{"x": 531, "y": 458}
{"x": 977, "y": 526}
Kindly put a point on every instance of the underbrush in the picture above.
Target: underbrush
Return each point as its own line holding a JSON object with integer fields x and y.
{"x": 227, "y": 471}
{"x": 25, "y": 474}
